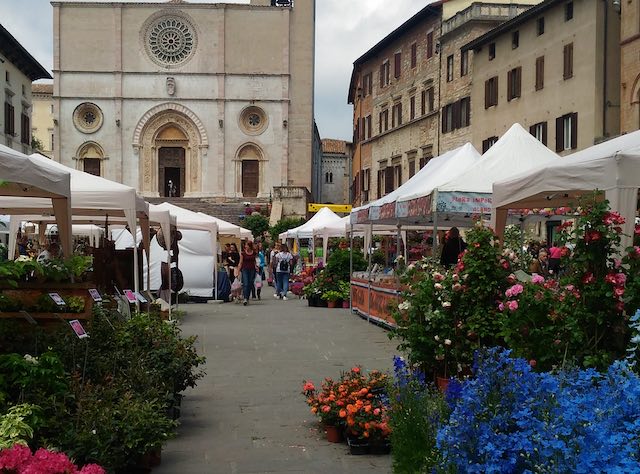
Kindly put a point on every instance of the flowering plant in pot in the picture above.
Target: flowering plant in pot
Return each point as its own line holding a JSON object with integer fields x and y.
{"x": 332, "y": 297}
{"x": 326, "y": 404}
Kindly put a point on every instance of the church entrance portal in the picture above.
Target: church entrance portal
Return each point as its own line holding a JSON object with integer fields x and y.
{"x": 250, "y": 177}
{"x": 171, "y": 171}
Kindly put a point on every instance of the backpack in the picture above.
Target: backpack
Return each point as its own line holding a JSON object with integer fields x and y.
{"x": 284, "y": 265}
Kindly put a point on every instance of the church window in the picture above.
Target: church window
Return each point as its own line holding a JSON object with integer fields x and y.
{"x": 170, "y": 40}
{"x": 253, "y": 120}
{"x": 87, "y": 117}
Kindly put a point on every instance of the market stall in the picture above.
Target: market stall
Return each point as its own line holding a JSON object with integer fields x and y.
{"x": 325, "y": 217}
{"x": 612, "y": 166}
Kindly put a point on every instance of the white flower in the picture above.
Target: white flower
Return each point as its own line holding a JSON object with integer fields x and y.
{"x": 93, "y": 431}
{"x": 439, "y": 357}
{"x": 405, "y": 305}
{"x": 446, "y": 304}
{"x": 23, "y": 258}
{"x": 447, "y": 342}
{"x": 437, "y": 338}
{"x": 411, "y": 266}
{"x": 437, "y": 286}
{"x": 30, "y": 359}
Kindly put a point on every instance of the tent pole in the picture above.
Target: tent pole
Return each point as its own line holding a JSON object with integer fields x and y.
{"x": 436, "y": 243}
{"x": 350, "y": 267}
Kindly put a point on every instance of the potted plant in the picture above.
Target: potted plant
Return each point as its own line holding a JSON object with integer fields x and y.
{"x": 345, "y": 290}
{"x": 327, "y": 405}
{"x": 332, "y": 297}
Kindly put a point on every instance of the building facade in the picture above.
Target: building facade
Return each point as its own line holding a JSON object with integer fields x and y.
{"x": 630, "y": 65}
{"x": 18, "y": 69}
{"x": 178, "y": 100}
{"x": 393, "y": 90}
{"x": 555, "y": 70}
{"x": 42, "y": 123}
{"x": 335, "y": 172}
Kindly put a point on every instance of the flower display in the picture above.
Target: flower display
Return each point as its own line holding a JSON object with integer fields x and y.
{"x": 19, "y": 460}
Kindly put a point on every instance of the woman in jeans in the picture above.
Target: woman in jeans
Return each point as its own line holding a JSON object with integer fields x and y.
{"x": 247, "y": 267}
{"x": 283, "y": 266}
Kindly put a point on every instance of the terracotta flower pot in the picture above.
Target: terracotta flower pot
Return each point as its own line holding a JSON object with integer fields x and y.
{"x": 331, "y": 304}
{"x": 443, "y": 384}
{"x": 345, "y": 304}
{"x": 334, "y": 434}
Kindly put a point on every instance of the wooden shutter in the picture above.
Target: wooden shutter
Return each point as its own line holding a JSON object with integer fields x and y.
{"x": 368, "y": 126}
{"x": 456, "y": 115}
{"x": 431, "y": 99}
{"x": 388, "y": 179}
{"x": 370, "y": 75}
{"x": 574, "y": 130}
{"x": 544, "y": 133}
{"x": 539, "y": 73}
{"x": 414, "y": 55}
{"x": 412, "y": 168}
{"x": 568, "y": 61}
{"x": 510, "y": 85}
{"x": 382, "y": 75}
{"x": 559, "y": 135}
{"x": 532, "y": 130}
{"x": 429, "y": 44}
{"x": 412, "y": 107}
{"x": 444, "y": 119}
{"x": 393, "y": 116}
{"x": 423, "y": 105}
{"x": 518, "y": 81}
{"x": 380, "y": 122}
{"x": 397, "y": 63}
{"x": 487, "y": 91}
{"x": 399, "y": 113}
{"x": 398, "y": 172}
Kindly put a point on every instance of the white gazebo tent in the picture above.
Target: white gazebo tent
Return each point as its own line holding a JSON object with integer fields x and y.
{"x": 199, "y": 277}
{"x": 612, "y": 166}
{"x": 323, "y": 218}
{"x": 93, "y": 196}
{"x": 29, "y": 186}
{"x": 469, "y": 194}
{"x": 227, "y": 228}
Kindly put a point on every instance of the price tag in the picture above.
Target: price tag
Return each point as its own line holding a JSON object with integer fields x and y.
{"x": 57, "y": 299}
{"x": 140, "y": 298}
{"x": 78, "y": 329}
{"x": 95, "y": 295}
{"x": 131, "y": 297}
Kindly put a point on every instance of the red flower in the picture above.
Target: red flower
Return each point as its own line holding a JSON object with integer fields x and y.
{"x": 588, "y": 278}
{"x": 355, "y": 370}
{"x": 592, "y": 236}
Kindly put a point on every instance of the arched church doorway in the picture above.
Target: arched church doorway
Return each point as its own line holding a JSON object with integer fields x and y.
{"x": 250, "y": 178}
{"x": 171, "y": 171}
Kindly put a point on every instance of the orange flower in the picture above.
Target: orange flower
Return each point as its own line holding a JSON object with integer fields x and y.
{"x": 365, "y": 434}
{"x": 355, "y": 370}
{"x": 368, "y": 408}
{"x": 342, "y": 413}
{"x": 364, "y": 391}
{"x": 314, "y": 410}
{"x": 308, "y": 387}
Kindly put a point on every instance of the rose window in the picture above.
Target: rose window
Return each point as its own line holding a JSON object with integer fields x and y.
{"x": 170, "y": 40}
{"x": 254, "y": 120}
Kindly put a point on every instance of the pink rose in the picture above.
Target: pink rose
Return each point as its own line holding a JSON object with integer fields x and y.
{"x": 513, "y": 305}
{"x": 501, "y": 306}
{"x": 537, "y": 279}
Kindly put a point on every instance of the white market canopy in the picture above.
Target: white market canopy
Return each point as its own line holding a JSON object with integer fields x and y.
{"x": 393, "y": 208}
{"x": 26, "y": 184}
{"x": 323, "y": 218}
{"x": 517, "y": 151}
{"x": 227, "y": 228}
{"x": 612, "y": 166}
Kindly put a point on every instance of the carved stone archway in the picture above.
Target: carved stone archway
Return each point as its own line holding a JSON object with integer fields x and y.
{"x": 148, "y": 138}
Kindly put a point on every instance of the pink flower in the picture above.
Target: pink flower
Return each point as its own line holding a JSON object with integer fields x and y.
{"x": 513, "y": 305}
{"x": 91, "y": 469}
{"x": 376, "y": 411}
{"x": 14, "y": 458}
{"x": 618, "y": 291}
{"x": 610, "y": 278}
{"x": 537, "y": 279}
{"x": 588, "y": 278}
{"x": 455, "y": 277}
{"x": 52, "y": 461}
{"x": 501, "y": 306}
{"x": 457, "y": 287}
{"x": 308, "y": 387}
{"x": 515, "y": 290}
{"x": 570, "y": 287}
{"x": 621, "y": 278}
{"x": 326, "y": 409}
{"x": 438, "y": 276}
{"x": 592, "y": 236}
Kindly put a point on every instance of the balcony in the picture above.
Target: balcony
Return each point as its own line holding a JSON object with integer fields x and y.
{"x": 498, "y": 12}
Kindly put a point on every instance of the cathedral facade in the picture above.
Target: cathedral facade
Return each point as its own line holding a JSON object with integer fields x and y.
{"x": 185, "y": 99}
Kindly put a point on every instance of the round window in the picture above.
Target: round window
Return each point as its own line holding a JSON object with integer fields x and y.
{"x": 87, "y": 117}
{"x": 170, "y": 40}
{"x": 253, "y": 120}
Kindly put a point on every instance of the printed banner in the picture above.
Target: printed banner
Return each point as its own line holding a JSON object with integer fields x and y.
{"x": 466, "y": 203}
{"x": 375, "y": 303}
{"x": 360, "y": 216}
{"x": 388, "y": 211}
{"x": 374, "y": 213}
{"x": 415, "y": 207}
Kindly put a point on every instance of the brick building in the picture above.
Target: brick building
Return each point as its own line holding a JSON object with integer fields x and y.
{"x": 630, "y": 65}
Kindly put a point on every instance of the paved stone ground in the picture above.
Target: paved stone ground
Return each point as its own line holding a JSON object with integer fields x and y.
{"x": 247, "y": 415}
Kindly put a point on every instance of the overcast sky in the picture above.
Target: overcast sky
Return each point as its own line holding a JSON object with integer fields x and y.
{"x": 345, "y": 29}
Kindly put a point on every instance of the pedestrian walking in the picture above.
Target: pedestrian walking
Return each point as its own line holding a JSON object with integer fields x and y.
{"x": 283, "y": 269}
{"x": 247, "y": 266}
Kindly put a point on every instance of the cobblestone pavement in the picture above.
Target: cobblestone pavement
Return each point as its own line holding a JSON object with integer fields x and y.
{"x": 247, "y": 415}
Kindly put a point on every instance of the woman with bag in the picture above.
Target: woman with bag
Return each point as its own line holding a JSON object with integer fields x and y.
{"x": 233, "y": 257}
{"x": 283, "y": 268}
{"x": 259, "y": 272}
{"x": 247, "y": 267}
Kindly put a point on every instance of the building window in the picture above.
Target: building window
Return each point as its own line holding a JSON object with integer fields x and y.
{"x": 384, "y": 74}
{"x": 9, "y": 119}
{"x": 396, "y": 115}
{"x": 567, "y": 132}
{"x": 52, "y": 142}
{"x": 25, "y": 129}
{"x": 397, "y": 65}
{"x": 491, "y": 92}
{"x": 6, "y": 77}
{"x": 423, "y": 102}
{"x": 539, "y": 130}
{"x": 366, "y": 84}
{"x": 384, "y": 120}
{"x": 488, "y": 143}
{"x": 515, "y": 39}
{"x": 414, "y": 55}
{"x": 513, "y": 83}
{"x": 540, "y": 26}
{"x": 51, "y": 108}
{"x": 456, "y": 115}
{"x": 450, "y": 68}
{"x": 92, "y": 166}
{"x": 429, "y": 44}
{"x": 568, "y": 11}
{"x": 397, "y": 176}
{"x": 24, "y": 90}
{"x": 567, "y": 72}
{"x": 539, "y": 73}
{"x": 412, "y": 107}
{"x": 412, "y": 168}
{"x": 492, "y": 51}
{"x": 431, "y": 99}
{"x": 464, "y": 63}
{"x": 328, "y": 177}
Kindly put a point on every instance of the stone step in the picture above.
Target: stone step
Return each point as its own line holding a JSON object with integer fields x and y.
{"x": 233, "y": 211}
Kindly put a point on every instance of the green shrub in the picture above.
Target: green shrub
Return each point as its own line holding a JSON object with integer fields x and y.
{"x": 284, "y": 224}
{"x": 338, "y": 264}
{"x": 257, "y": 224}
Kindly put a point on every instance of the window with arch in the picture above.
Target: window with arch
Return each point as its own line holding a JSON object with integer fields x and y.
{"x": 328, "y": 177}
{"x": 91, "y": 155}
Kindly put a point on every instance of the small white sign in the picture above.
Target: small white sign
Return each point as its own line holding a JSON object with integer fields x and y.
{"x": 140, "y": 298}
{"x": 95, "y": 295}
{"x": 57, "y": 299}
